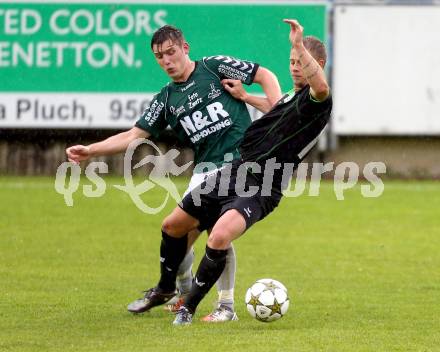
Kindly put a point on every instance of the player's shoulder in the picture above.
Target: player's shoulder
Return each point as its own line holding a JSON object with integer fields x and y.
{"x": 210, "y": 61}
{"x": 309, "y": 105}
{"x": 221, "y": 58}
{"x": 214, "y": 57}
{"x": 162, "y": 94}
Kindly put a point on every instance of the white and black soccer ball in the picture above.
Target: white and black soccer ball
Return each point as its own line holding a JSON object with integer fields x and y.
{"x": 267, "y": 300}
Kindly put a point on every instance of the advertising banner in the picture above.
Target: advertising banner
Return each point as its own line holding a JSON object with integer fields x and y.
{"x": 89, "y": 64}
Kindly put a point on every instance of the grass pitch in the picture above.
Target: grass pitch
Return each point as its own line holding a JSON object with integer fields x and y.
{"x": 362, "y": 274}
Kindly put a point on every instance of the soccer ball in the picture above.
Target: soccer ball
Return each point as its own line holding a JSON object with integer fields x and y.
{"x": 267, "y": 300}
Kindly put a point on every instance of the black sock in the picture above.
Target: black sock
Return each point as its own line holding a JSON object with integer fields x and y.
{"x": 210, "y": 268}
{"x": 172, "y": 252}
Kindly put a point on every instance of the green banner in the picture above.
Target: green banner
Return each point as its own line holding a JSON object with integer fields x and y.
{"x": 86, "y": 47}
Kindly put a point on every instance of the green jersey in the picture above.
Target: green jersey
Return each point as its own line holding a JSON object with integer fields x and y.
{"x": 201, "y": 112}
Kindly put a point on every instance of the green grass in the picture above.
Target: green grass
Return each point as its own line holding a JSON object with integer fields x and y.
{"x": 363, "y": 274}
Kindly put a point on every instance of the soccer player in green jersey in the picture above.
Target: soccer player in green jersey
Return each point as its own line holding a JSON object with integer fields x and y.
{"x": 197, "y": 106}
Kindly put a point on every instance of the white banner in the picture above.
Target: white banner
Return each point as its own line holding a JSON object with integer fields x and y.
{"x": 75, "y": 110}
{"x": 72, "y": 110}
{"x": 386, "y": 70}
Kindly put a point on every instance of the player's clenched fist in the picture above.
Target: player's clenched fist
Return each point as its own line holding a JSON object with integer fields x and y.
{"x": 78, "y": 153}
{"x": 235, "y": 88}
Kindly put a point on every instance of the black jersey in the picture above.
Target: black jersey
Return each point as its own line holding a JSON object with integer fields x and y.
{"x": 288, "y": 131}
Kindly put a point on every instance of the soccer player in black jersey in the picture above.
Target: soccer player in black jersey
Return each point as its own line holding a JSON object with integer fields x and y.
{"x": 284, "y": 135}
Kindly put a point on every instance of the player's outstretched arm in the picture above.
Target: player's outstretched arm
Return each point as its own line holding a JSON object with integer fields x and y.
{"x": 312, "y": 70}
{"x": 112, "y": 145}
{"x": 236, "y": 89}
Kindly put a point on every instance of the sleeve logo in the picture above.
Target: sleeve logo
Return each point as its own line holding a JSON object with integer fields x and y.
{"x": 241, "y": 65}
{"x": 153, "y": 112}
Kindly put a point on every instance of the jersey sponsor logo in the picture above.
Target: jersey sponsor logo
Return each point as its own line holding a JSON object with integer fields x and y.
{"x": 193, "y": 104}
{"x": 189, "y": 85}
{"x": 194, "y": 100}
{"x": 153, "y": 112}
{"x": 214, "y": 92}
{"x": 197, "y": 121}
{"x": 197, "y": 125}
{"x": 211, "y": 129}
{"x": 193, "y": 96}
{"x": 180, "y": 110}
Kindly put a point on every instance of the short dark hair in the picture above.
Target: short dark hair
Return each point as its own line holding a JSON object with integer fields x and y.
{"x": 165, "y": 33}
{"x": 315, "y": 47}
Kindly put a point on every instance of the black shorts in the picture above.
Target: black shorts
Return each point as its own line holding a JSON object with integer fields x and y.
{"x": 208, "y": 207}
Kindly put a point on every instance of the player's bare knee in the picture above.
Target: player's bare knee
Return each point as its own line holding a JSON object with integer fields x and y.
{"x": 178, "y": 226}
{"x": 170, "y": 226}
{"x": 219, "y": 240}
